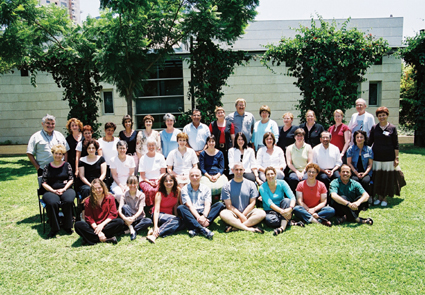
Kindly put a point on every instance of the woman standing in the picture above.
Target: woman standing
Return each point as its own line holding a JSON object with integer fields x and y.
{"x": 101, "y": 223}
{"x": 167, "y": 199}
{"x": 108, "y": 149}
{"x": 122, "y": 166}
{"x": 360, "y": 160}
{"x": 312, "y": 198}
{"x": 211, "y": 162}
{"x": 90, "y": 167}
{"x": 286, "y": 132}
{"x": 278, "y": 208}
{"x": 169, "y": 135}
{"x": 79, "y": 150}
{"x": 152, "y": 165}
{"x": 270, "y": 155}
{"x": 340, "y": 134}
{"x": 244, "y": 154}
{"x": 263, "y": 126}
{"x": 56, "y": 180}
{"x": 312, "y": 129}
{"x": 298, "y": 156}
{"x": 384, "y": 142}
{"x": 74, "y": 127}
{"x": 129, "y": 135}
{"x": 224, "y": 132}
{"x": 142, "y": 137}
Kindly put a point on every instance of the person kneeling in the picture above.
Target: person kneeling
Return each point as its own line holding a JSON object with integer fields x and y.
{"x": 239, "y": 196}
{"x": 196, "y": 211}
{"x": 131, "y": 208}
{"x": 349, "y": 198}
{"x": 101, "y": 224}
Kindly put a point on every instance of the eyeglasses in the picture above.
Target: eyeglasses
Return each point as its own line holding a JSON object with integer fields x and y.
{"x": 312, "y": 171}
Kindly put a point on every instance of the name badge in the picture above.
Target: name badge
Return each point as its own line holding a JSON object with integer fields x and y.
{"x": 366, "y": 155}
{"x": 386, "y": 133}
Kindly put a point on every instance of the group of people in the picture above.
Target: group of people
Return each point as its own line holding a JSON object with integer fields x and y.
{"x": 177, "y": 177}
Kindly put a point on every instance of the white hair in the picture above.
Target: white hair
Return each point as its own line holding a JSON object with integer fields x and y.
{"x": 48, "y": 118}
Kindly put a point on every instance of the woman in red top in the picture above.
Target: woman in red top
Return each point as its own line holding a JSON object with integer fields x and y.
{"x": 165, "y": 220}
{"x": 311, "y": 197}
{"x": 101, "y": 214}
{"x": 340, "y": 134}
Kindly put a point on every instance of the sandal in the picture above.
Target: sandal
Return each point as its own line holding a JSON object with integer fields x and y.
{"x": 324, "y": 221}
{"x": 341, "y": 220}
{"x": 299, "y": 223}
{"x": 366, "y": 221}
{"x": 258, "y": 230}
{"x": 151, "y": 238}
{"x": 278, "y": 231}
{"x": 228, "y": 229}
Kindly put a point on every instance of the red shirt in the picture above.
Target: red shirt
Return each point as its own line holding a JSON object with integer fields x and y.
{"x": 311, "y": 194}
{"x": 167, "y": 203}
{"x": 338, "y": 135}
{"x": 97, "y": 215}
{"x": 222, "y": 134}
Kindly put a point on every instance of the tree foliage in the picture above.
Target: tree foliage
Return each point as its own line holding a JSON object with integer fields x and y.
{"x": 328, "y": 63}
{"x": 413, "y": 98}
{"x": 42, "y": 38}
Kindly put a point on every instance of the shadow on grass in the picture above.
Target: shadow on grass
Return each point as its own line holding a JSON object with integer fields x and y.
{"x": 392, "y": 202}
{"x": 12, "y": 173}
{"x": 411, "y": 150}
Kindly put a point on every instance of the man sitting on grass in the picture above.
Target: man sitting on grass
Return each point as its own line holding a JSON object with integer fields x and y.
{"x": 239, "y": 196}
{"x": 196, "y": 211}
{"x": 349, "y": 198}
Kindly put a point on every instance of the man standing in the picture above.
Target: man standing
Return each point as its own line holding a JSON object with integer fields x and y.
{"x": 349, "y": 198}
{"x": 197, "y": 132}
{"x": 243, "y": 121}
{"x": 239, "y": 196}
{"x": 328, "y": 157}
{"x": 361, "y": 120}
{"x": 41, "y": 143}
{"x": 196, "y": 211}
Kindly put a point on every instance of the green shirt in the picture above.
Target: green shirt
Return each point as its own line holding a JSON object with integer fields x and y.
{"x": 352, "y": 190}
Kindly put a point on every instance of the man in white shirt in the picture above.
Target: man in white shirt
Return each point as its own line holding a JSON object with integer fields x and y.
{"x": 40, "y": 144}
{"x": 328, "y": 157}
{"x": 361, "y": 120}
{"x": 197, "y": 131}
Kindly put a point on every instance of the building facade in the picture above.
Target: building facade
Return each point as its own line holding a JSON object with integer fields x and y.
{"x": 73, "y": 7}
{"x": 22, "y": 106}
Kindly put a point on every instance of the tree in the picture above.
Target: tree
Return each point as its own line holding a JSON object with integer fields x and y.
{"x": 328, "y": 63}
{"x": 44, "y": 39}
{"x": 413, "y": 98}
{"x": 407, "y": 98}
{"x": 210, "y": 22}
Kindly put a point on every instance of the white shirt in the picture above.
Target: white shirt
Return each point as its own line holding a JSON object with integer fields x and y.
{"x": 248, "y": 160}
{"x": 276, "y": 159}
{"x": 327, "y": 158}
{"x": 152, "y": 165}
{"x": 182, "y": 163}
{"x": 123, "y": 168}
{"x": 363, "y": 122}
{"x": 197, "y": 136}
{"x": 109, "y": 149}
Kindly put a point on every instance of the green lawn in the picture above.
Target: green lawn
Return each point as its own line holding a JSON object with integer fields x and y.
{"x": 387, "y": 258}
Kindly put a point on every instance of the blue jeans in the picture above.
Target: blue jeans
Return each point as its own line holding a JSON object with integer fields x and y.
{"x": 274, "y": 219}
{"x": 190, "y": 220}
{"x": 326, "y": 212}
{"x": 140, "y": 223}
{"x": 169, "y": 224}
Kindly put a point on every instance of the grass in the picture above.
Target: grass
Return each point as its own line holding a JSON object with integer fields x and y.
{"x": 387, "y": 258}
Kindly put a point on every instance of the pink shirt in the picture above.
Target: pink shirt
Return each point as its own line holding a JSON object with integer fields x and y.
{"x": 338, "y": 135}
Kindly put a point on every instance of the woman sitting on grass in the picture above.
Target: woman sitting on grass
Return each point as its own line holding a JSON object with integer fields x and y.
{"x": 167, "y": 199}
{"x": 131, "y": 208}
{"x": 278, "y": 208}
{"x": 101, "y": 223}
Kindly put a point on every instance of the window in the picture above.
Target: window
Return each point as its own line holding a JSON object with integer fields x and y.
{"x": 162, "y": 93}
{"x": 374, "y": 93}
{"x": 24, "y": 73}
{"x": 47, "y": 1}
{"x": 108, "y": 102}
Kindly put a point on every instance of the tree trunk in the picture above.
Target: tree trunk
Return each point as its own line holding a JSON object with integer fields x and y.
{"x": 419, "y": 138}
{"x": 129, "y": 99}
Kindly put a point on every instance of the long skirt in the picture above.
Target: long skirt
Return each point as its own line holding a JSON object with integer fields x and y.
{"x": 387, "y": 179}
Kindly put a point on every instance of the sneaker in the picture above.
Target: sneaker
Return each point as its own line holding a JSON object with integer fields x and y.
{"x": 384, "y": 204}
{"x": 376, "y": 202}
{"x": 207, "y": 233}
{"x": 192, "y": 233}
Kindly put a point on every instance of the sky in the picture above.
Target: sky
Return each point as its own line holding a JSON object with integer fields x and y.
{"x": 413, "y": 11}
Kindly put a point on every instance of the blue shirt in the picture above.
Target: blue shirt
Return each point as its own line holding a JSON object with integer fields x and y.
{"x": 211, "y": 164}
{"x": 367, "y": 153}
{"x": 239, "y": 193}
{"x": 282, "y": 189}
{"x": 169, "y": 141}
{"x": 198, "y": 197}
{"x": 260, "y": 129}
{"x": 244, "y": 123}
